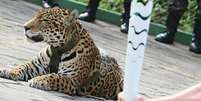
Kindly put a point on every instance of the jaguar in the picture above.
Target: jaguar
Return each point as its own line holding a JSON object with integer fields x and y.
{"x": 71, "y": 63}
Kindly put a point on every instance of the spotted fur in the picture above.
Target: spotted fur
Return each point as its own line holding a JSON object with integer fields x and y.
{"x": 71, "y": 63}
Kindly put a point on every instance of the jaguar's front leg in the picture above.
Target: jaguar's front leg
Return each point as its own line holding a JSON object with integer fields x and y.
{"x": 54, "y": 82}
{"x": 14, "y": 74}
{"x": 23, "y": 72}
{"x": 35, "y": 67}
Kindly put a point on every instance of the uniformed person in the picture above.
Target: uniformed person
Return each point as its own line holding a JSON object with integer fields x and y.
{"x": 176, "y": 10}
{"x": 89, "y": 14}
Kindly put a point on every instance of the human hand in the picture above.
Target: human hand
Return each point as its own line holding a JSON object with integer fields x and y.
{"x": 138, "y": 98}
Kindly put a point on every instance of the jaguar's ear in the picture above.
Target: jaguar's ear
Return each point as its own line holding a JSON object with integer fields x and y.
{"x": 71, "y": 18}
{"x": 73, "y": 15}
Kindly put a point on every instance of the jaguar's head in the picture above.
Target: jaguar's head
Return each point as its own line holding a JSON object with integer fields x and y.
{"x": 50, "y": 25}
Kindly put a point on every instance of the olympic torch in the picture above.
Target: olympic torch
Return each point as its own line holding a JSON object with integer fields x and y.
{"x": 137, "y": 38}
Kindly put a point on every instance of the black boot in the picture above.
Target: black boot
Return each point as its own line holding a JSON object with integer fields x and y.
{"x": 195, "y": 46}
{"x": 124, "y": 28}
{"x": 176, "y": 10}
{"x": 165, "y": 37}
{"x": 49, "y": 4}
{"x": 125, "y": 16}
{"x": 90, "y": 14}
{"x": 85, "y": 16}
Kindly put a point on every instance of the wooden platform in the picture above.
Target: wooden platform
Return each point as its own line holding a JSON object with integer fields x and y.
{"x": 167, "y": 69}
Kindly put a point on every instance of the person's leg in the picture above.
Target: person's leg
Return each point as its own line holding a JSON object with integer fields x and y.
{"x": 126, "y": 16}
{"x": 176, "y": 10}
{"x": 49, "y": 4}
{"x": 196, "y": 38}
{"x": 90, "y": 14}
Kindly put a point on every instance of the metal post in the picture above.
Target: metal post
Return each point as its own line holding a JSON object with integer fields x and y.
{"x": 137, "y": 38}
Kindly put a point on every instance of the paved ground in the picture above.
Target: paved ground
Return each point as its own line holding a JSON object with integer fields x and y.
{"x": 166, "y": 70}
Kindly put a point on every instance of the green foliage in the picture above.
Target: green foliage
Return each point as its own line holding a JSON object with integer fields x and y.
{"x": 159, "y": 12}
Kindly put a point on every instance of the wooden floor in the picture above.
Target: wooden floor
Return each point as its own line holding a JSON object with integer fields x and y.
{"x": 167, "y": 69}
